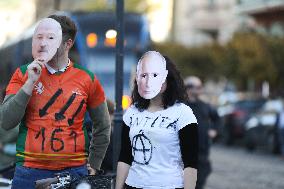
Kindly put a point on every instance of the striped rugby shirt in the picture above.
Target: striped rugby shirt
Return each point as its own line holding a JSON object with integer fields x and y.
{"x": 51, "y": 134}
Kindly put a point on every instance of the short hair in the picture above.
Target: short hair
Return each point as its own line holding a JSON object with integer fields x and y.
{"x": 69, "y": 28}
{"x": 192, "y": 81}
{"x": 174, "y": 93}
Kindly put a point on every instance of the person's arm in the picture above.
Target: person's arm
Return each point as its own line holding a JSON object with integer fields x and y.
{"x": 13, "y": 109}
{"x": 122, "y": 172}
{"x": 9, "y": 136}
{"x": 14, "y": 105}
{"x": 188, "y": 137}
{"x": 215, "y": 122}
{"x": 100, "y": 135}
{"x": 214, "y": 118}
{"x": 190, "y": 178}
{"x": 125, "y": 158}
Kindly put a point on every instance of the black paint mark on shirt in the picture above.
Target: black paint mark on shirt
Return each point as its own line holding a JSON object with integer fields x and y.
{"x": 71, "y": 121}
{"x": 173, "y": 125}
{"x": 43, "y": 111}
{"x": 152, "y": 125}
{"x": 147, "y": 118}
{"x": 142, "y": 144}
{"x": 60, "y": 115}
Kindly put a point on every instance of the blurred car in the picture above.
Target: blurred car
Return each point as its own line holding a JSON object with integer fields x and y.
{"x": 234, "y": 117}
{"x": 261, "y": 127}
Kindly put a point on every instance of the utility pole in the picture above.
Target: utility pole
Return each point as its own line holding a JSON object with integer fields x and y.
{"x": 116, "y": 139}
{"x": 56, "y": 5}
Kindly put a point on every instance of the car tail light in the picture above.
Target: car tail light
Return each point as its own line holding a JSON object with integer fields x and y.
{"x": 239, "y": 113}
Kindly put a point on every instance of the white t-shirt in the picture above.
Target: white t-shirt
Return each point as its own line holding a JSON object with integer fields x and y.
{"x": 157, "y": 162}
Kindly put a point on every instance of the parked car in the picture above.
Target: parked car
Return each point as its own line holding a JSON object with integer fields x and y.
{"x": 261, "y": 127}
{"x": 235, "y": 116}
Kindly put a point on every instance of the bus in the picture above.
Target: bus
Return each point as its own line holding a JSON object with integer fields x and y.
{"x": 94, "y": 48}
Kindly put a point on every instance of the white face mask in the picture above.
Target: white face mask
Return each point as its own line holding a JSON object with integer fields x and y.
{"x": 46, "y": 39}
{"x": 151, "y": 74}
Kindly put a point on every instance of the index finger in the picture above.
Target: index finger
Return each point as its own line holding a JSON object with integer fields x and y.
{"x": 40, "y": 62}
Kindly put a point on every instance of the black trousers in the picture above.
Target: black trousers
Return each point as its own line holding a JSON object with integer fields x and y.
{"x": 130, "y": 187}
{"x": 204, "y": 170}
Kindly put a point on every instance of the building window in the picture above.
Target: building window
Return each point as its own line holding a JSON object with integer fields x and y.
{"x": 277, "y": 29}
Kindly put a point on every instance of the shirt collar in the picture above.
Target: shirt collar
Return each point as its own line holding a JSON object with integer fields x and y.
{"x": 53, "y": 71}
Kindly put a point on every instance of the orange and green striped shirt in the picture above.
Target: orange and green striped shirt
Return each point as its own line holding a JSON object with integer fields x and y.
{"x": 51, "y": 134}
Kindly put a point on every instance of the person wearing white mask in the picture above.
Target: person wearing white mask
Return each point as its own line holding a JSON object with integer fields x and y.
{"x": 48, "y": 99}
{"x": 159, "y": 135}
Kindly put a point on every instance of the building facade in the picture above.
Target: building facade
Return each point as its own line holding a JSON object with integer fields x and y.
{"x": 268, "y": 15}
{"x": 197, "y": 22}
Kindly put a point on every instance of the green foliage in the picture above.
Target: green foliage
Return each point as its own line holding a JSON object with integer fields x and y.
{"x": 254, "y": 60}
{"x": 129, "y": 5}
{"x": 247, "y": 57}
{"x": 136, "y": 6}
{"x": 276, "y": 51}
{"x": 98, "y": 5}
{"x": 189, "y": 61}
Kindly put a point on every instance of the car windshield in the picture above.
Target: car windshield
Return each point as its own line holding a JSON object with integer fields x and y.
{"x": 98, "y": 38}
{"x": 103, "y": 65}
{"x": 249, "y": 104}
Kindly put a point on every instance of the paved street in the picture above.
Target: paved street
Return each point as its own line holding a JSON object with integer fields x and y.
{"x": 235, "y": 168}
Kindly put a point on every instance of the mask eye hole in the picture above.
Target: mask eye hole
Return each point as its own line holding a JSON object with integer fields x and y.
{"x": 143, "y": 75}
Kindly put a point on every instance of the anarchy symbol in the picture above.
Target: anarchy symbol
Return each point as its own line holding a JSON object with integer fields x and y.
{"x": 141, "y": 148}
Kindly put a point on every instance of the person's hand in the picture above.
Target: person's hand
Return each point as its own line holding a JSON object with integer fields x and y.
{"x": 91, "y": 171}
{"x": 212, "y": 133}
{"x": 34, "y": 70}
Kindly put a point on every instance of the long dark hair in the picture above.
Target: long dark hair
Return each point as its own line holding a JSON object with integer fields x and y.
{"x": 175, "y": 91}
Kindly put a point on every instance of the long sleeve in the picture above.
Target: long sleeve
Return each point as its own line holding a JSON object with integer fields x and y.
{"x": 100, "y": 134}
{"x": 126, "y": 150}
{"x": 188, "y": 137}
{"x": 214, "y": 118}
{"x": 12, "y": 110}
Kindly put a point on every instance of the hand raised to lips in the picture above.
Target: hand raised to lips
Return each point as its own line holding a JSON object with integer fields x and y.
{"x": 40, "y": 62}
{"x": 34, "y": 70}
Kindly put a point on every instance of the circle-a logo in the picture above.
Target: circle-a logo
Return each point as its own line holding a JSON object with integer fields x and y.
{"x": 142, "y": 148}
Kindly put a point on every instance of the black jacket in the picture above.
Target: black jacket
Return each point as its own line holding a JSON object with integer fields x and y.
{"x": 207, "y": 117}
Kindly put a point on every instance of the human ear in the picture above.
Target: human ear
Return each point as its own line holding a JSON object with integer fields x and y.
{"x": 68, "y": 44}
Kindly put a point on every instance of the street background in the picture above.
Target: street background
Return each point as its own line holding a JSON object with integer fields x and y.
{"x": 235, "y": 168}
{"x": 235, "y": 46}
